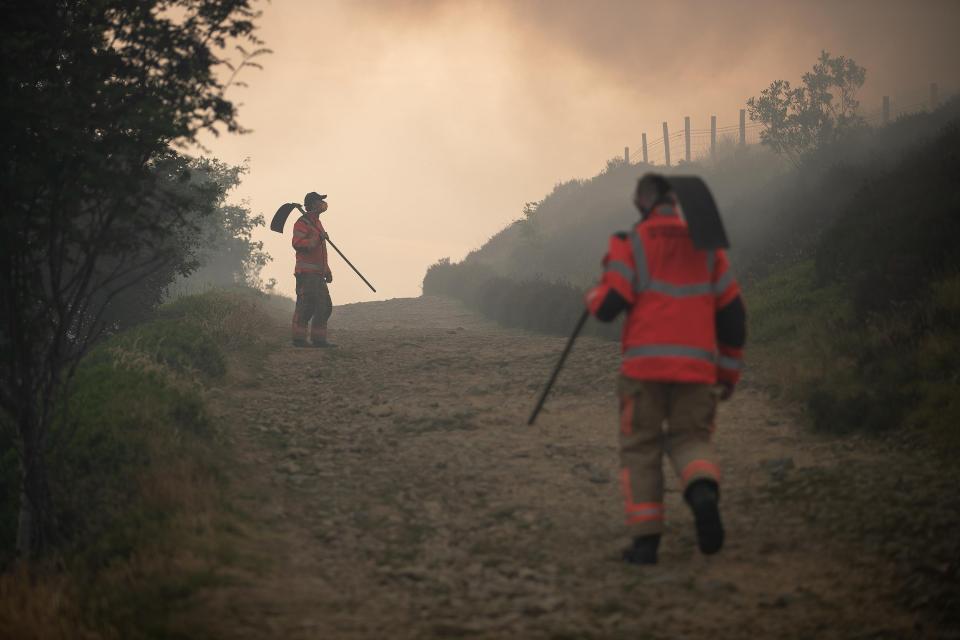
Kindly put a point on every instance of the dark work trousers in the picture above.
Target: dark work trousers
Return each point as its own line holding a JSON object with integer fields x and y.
{"x": 313, "y": 304}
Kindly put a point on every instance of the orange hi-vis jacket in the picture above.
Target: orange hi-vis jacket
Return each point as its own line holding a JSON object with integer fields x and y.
{"x": 310, "y": 245}
{"x": 678, "y": 299}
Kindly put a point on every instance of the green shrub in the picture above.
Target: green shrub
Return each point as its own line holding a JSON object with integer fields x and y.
{"x": 787, "y": 305}
{"x": 135, "y": 447}
{"x": 866, "y": 371}
{"x": 898, "y": 233}
{"x": 937, "y": 384}
{"x": 534, "y": 305}
{"x": 183, "y": 347}
{"x": 124, "y": 420}
{"x": 230, "y": 317}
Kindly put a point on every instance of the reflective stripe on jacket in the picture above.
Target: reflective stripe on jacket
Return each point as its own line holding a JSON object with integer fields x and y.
{"x": 673, "y": 292}
{"x": 310, "y": 245}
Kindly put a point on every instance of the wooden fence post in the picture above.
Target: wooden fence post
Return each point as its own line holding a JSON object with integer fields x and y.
{"x": 713, "y": 136}
{"x": 644, "y": 137}
{"x": 626, "y": 155}
{"x": 743, "y": 127}
{"x": 686, "y": 137}
{"x": 666, "y": 144}
{"x": 886, "y": 110}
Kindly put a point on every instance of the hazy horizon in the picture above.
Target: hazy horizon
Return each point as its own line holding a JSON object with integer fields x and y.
{"x": 430, "y": 124}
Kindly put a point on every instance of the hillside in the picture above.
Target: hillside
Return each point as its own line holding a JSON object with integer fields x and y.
{"x": 772, "y": 210}
{"x": 849, "y": 266}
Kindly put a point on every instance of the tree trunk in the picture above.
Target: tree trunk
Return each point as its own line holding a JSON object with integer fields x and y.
{"x": 35, "y": 518}
{"x": 25, "y": 535}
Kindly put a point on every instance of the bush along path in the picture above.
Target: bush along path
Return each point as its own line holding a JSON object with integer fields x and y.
{"x": 390, "y": 488}
{"x": 138, "y": 477}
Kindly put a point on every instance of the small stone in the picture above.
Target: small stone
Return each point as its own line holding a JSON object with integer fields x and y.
{"x": 784, "y": 600}
{"x": 290, "y": 467}
{"x": 599, "y": 477}
{"x": 778, "y": 467}
{"x": 528, "y": 574}
{"x": 381, "y": 411}
{"x": 415, "y": 574}
{"x": 544, "y": 605}
{"x": 719, "y": 586}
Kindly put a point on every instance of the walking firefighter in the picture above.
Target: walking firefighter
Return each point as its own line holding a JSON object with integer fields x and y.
{"x": 682, "y": 347}
{"x": 312, "y": 270}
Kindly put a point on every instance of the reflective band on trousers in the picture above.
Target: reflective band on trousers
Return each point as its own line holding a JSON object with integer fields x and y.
{"x": 699, "y": 468}
{"x": 669, "y": 350}
{"x": 729, "y": 363}
{"x": 315, "y": 265}
{"x": 638, "y": 517}
{"x": 645, "y": 508}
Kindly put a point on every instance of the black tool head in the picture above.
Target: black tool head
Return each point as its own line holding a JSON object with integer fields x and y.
{"x": 280, "y": 217}
{"x": 700, "y": 211}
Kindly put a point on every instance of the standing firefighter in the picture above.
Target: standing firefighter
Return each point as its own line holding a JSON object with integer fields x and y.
{"x": 682, "y": 346}
{"x": 313, "y": 274}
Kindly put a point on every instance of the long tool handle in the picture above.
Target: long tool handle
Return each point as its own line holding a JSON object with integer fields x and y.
{"x": 351, "y": 265}
{"x": 556, "y": 370}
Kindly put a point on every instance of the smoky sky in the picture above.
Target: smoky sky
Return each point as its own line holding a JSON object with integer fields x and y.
{"x": 430, "y": 123}
{"x": 654, "y": 46}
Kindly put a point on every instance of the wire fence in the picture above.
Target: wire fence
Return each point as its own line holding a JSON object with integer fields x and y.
{"x": 678, "y": 144}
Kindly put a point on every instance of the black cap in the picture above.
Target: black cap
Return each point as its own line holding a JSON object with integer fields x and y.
{"x": 313, "y": 195}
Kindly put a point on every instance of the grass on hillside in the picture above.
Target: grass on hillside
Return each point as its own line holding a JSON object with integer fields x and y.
{"x": 872, "y": 373}
{"x": 137, "y": 478}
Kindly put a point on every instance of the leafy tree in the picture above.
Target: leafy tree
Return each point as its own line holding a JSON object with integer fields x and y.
{"x": 96, "y": 95}
{"x": 799, "y": 119}
{"x": 226, "y": 253}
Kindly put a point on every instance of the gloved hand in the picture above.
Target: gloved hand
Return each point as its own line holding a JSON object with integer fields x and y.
{"x": 329, "y": 277}
{"x": 326, "y": 236}
{"x": 593, "y": 299}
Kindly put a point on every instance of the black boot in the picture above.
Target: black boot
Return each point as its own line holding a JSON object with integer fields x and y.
{"x": 703, "y": 496}
{"x": 300, "y": 342}
{"x": 643, "y": 550}
{"x": 322, "y": 344}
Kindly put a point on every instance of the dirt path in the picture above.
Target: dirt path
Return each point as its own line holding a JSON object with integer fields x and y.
{"x": 394, "y": 491}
